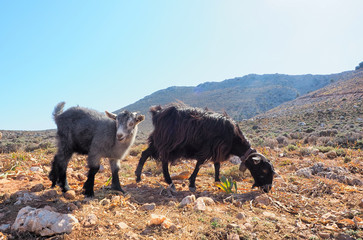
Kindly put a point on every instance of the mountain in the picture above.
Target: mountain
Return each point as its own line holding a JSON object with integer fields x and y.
{"x": 241, "y": 97}
{"x": 329, "y": 116}
{"x": 341, "y": 96}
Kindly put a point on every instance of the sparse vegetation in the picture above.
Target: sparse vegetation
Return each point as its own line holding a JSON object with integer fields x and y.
{"x": 323, "y": 203}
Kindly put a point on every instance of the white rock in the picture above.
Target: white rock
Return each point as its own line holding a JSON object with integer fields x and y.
{"x": 187, "y": 200}
{"x": 25, "y": 198}
{"x": 36, "y": 169}
{"x": 199, "y": 206}
{"x": 90, "y": 220}
{"x": 122, "y": 225}
{"x": 44, "y": 222}
{"x": 207, "y": 200}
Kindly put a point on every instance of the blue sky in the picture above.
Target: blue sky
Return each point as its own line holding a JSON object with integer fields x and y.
{"x": 108, "y": 54}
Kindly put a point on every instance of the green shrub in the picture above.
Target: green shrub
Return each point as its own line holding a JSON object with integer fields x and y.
{"x": 324, "y": 149}
{"x": 340, "y": 152}
{"x": 291, "y": 147}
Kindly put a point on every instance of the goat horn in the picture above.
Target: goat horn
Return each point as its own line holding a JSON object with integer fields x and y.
{"x": 257, "y": 154}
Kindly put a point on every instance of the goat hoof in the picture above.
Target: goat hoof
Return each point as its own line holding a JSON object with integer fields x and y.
{"x": 192, "y": 189}
{"x": 171, "y": 189}
{"x": 138, "y": 179}
{"x": 117, "y": 189}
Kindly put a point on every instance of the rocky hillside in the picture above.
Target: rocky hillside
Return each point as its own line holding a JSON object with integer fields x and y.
{"x": 332, "y": 116}
{"x": 242, "y": 97}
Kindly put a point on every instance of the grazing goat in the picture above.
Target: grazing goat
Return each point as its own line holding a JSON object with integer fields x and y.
{"x": 85, "y": 131}
{"x": 192, "y": 133}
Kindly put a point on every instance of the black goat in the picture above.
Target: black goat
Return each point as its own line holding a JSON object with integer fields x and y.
{"x": 192, "y": 133}
{"x": 86, "y": 131}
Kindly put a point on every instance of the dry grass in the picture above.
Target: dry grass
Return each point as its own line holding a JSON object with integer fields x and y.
{"x": 295, "y": 209}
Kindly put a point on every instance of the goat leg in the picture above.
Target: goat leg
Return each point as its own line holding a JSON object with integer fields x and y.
{"x": 88, "y": 185}
{"x": 217, "y": 166}
{"x": 115, "y": 185}
{"x": 192, "y": 177}
{"x": 144, "y": 156}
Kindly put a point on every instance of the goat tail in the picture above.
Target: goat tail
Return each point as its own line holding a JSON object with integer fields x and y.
{"x": 58, "y": 109}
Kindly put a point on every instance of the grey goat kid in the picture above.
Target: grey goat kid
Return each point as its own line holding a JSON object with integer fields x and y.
{"x": 85, "y": 131}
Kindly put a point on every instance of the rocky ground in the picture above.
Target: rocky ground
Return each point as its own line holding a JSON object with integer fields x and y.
{"x": 317, "y": 195}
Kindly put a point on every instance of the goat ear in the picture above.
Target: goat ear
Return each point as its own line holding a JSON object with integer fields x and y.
{"x": 139, "y": 119}
{"x": 111, "y": 115}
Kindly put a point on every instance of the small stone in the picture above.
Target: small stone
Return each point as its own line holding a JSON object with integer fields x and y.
{"x": 324, "y": 235}
{"x": 248, "y": 226}
{"x": 233, "y": 236}
{"x": 264, "y": 200}
{"x": 269, "y": 215}
{"x": 156, "y": 219}
{"x": 167, "y": 224}
{"x": 199, "y": 206}
{"x": 187, "y": 200}
{"x": 207, "y": 200}
{"x": 346, "y": 223}
{"x": 116, "y": 199}
{"x": 131, "y": 236}
{"x": 72, "y": 206}
{"x": 181, "y": 176}
{"x": 122, "y": 225}
{"x": 358, "y": 222}
{"x": 233, "y": 226}
{"x": 36, "y": 169}
{"x": 148, "y": 206}
{"x": 37, "y": 188}
{"x": 91, "y": 220}
{"x": 51, "y": 194}
{"x": 70, "y": 194}
{"x": 342, "y": 236}
{"x": 241, "y": 215}
{"x": 105, "y": 202}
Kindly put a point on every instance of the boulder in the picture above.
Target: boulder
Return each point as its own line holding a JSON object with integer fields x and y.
{"x": 44, "y": 222}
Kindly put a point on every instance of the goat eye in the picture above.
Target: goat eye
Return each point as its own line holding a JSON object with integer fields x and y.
{"x": 131, "y": 124}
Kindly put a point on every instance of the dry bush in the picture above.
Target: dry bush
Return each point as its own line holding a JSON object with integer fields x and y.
{"x": 282, "y": 140}
{"x": 324, "y": 141}
{"x": 296, "y": 135}
{"x": 270, "y": 142}
{"x": 311, "y": 140}
{"x": 305, "y": 152}
{"x": 328, "y": 133}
